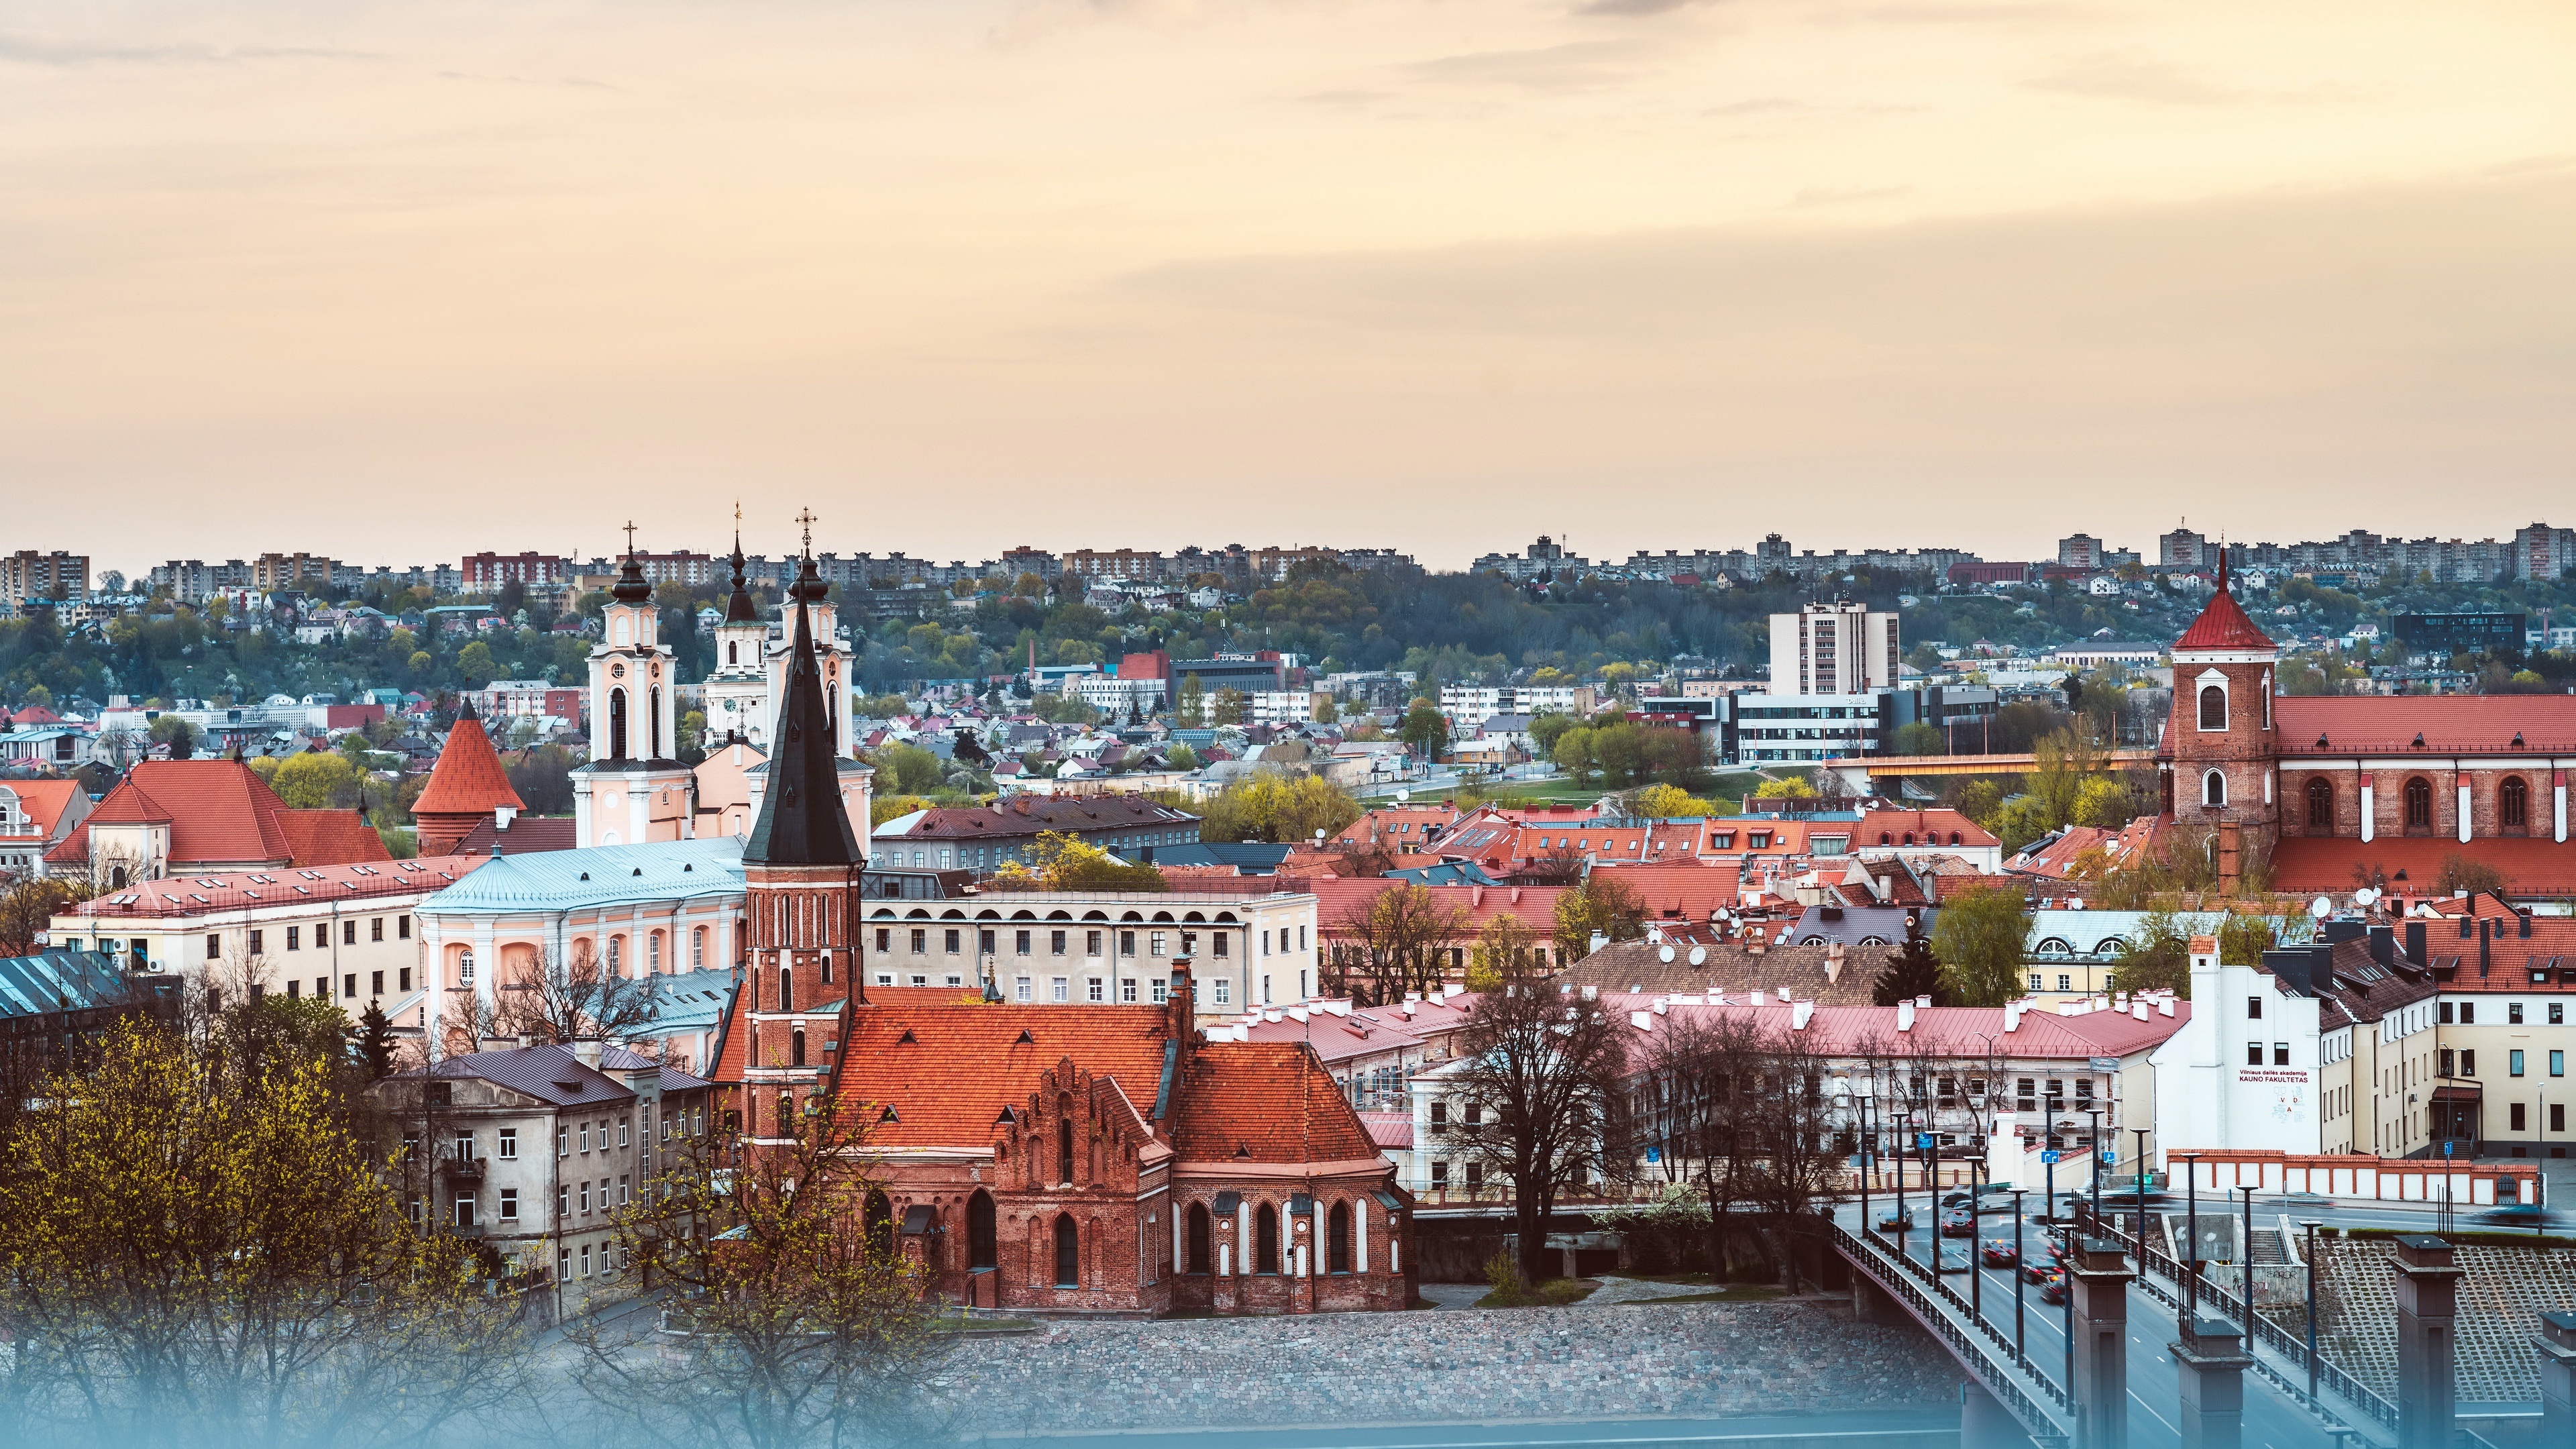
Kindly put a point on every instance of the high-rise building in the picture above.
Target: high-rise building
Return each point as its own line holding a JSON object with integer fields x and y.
{"x": 28, "y": 575}
{"x": 1836, "y": 648}
{"x": 2184, "y": 549}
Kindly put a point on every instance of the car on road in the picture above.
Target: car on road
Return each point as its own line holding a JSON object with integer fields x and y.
{"x": 2053, "y": 1288}
{"x": 1896, "y": 1222}
{"x": 1999, "y": 1253}
{"x": 1958, "y": 1222}
{"x": 1954, "y": 1259}
{"x": 2516, "y": 1215}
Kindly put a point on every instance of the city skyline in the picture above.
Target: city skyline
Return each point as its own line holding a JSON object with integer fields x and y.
{"x": 1409, "y": 276}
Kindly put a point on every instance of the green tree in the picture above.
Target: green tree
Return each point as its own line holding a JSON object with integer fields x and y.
{"x": 1546, "y": 729}
{"x": 2105, "y": 803}
{"x": 1918, "y": 738}
{"x": 177, "y": 733}
{"x": 1795, "y": 787}
{"x": 1982, "y": 939}
{"x": 1181, "y": 757}
{"x": 1230, "y": 707}
{"x": 1603, "y": 904}
{"x": 1573, "y": 755}
{"x": 373, "y": 1042}
{"x": 1913, "y": 972}
{"x": 1192, "y": 710}
{"x": 475, "y": 665}
{"x": 1425, "y": 729}
{"x": 316, "y": 780}
{"x": 2242, "y": 940}
{"x": 2156, "y": 956}
{"x": 908, "y": 769}
{"x": 1980, "y": 800}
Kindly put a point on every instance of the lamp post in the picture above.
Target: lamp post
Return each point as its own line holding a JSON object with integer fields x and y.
{"x": 2247, "y": 1248}
{"x": 2142, "y": 1195}
{"x": 2311, "y": 1224}
{"x": 1860, "y": 1117}
{"x": 1976, "y": 1243}
{"x": 1903, "y": 1115}
{"x": 2019, "y": 1255}
{"x": 2048, "y": 1164}
{"x": 2191, "y": 1235}
{"x": 2093, "y": 1150}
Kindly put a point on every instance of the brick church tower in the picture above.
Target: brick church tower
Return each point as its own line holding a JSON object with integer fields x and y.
{"x": 801, "y": 866}
{"x": 2221, "y": 749}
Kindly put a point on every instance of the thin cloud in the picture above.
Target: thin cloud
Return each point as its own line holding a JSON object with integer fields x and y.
{"x": 36, "y": 50}
{"x": 2128, "y": 75}
{"x": 1576, "y": 66}
{"x": 1629, "y": 9}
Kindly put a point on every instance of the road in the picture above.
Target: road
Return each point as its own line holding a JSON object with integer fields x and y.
{"x": 2155, "y": 1386}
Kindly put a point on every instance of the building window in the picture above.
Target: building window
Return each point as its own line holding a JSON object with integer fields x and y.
{"x": 2513, "y": 1013}
{"x": 1020, "y": 989}
{"x": 2468, "y": 1013}
{"x": 509, "y": 1148}
{"x": 698, "y": 948}
{"x": 920, "y": 941}
{"x": 1020, "y": 941}
{"x": 2034, "y": 981}
{"x": 349, "y": 932}
{"x": 1265, "y": 1239}
{"x": 2558, "y": 1063}
{"x": 2517, "y": 1117}
{"x": 2320, "y": 804}
{"x": 1221, "y": 991}
{"x": 1126, "y": 943}
{"x": 2419, "y": 804}
{"x": 1337, "y": 1239}
{"x": 509, "y": 1204}
{"x": 1059, "y": 986}
{"x": 2065, "y": 982}
{"x": 2253, "y": 1054}
{"x": 1162, "y": 992}
{"x": 2253, "y": 1008}
{"x": 1222, "y": 942}
{"x": 1127, "y": 988}
{"x": 2213, "y": 707}
{"x": 2213, "y": 788}
{"x": 885, "y": 939}
{"x": 255, "y": 942}
{"x": 1094, "y": 990}
{"x": 2513, "y": 1062}
{"x": 295, "y": 938}
{"x": 1091, "y": 941}
{"x": 1440, "y": 1177}
{"x": 1154, "y": 943}
{"x": 951, "y": 940}
{"x": 214, "y": 946}
{"x": 2280, "y": 1054}
{"x": 402, "y": 927}
{"x": 2513, "y": 804}
{"x": 2468, "y": 1061}
{"x": 1068, "y": 1252}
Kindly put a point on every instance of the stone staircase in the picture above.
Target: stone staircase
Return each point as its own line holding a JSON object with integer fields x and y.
{"x": 2504, "y": 1290}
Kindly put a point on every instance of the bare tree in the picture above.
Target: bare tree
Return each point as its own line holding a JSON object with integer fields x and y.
{"x": 1540, "y": 1095}
{"x": 1695, "y": 1102}
{"x": 1393, "y": 940}
{"x": 1560, "y": 865}
{"x": 575, "y": 999}
{"x": 794, "y": 1317}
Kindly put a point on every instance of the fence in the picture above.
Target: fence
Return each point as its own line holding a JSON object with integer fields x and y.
{"x": 1900, "y": 1278}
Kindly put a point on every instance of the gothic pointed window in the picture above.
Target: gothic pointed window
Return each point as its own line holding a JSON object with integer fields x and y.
{"x": 2320, "y": 804}
{"x": 1337, "y": 1239}
{"x": 1064, "y": 1142}
{"x": 1196, "y": 1241}
{"x": 787, "y": 989}
{"x": 2419, "y": 804}
{"x": 1265, "y": 1239}
{"x": 2513, "y": 804}
{"x": 733, "y": 652}
{"x": 1068, "y": 1252}
{"x": 983, "y": 1245}
{"x": 653, "y": 724}
{"x": 880, "y": 1218}
{"x": 2213, "y": 788}
{"x": 617, "y": 724}
{"x": 796, "y": 1048}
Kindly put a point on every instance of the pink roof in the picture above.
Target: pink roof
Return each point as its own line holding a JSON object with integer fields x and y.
{"x": 1953, "y": 1030}
{"x": 1338, "y": 897}
{"x": 189, "y": 895}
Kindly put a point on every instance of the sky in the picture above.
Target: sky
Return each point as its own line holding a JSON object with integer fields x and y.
{"x": 397, "y": 282}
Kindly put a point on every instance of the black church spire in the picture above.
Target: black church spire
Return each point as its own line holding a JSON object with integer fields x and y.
{"x": 802, "y": 821}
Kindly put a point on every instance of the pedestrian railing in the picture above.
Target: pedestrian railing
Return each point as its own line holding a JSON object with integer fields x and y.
{"x": 2266, "y": 1334}
{"x": 2032, "y": 1399}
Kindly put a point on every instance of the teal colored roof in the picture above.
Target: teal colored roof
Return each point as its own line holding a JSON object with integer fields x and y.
{"x": 690, "y": 1000}
{"x": 605, "y": 875}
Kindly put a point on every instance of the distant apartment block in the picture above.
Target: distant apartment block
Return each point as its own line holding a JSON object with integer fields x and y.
{"x": 28, "y": 575}
{"x": 298, "y": 571}
{"x": 486, "y": 573}
{"x": 1468, "y": 706}
{"x": 1837, "y": 648}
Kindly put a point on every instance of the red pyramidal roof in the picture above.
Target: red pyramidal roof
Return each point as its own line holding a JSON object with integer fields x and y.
{"x": 468, "y": 778}
{"x": 2223, "y": 624}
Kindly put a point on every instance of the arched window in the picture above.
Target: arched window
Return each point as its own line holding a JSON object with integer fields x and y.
{"x": 786, "y": 1114}
{"x": 1068, "y": 1252}
{"x": 1196, "y": 1244}
{"x": 2419, "y": 804}
{"x": 2213, "y": 707}
{"x": 787, "y": 988}
{"x": 698, "y": 948}
{"x": 1886, "y": 839}
{"x": 653, "y": 723}
{"x": 732, "y": 656}
{"x": 2320, "y": 803}
{"x": 880, "y": 1225}
{"x": 1954, "y": 837}
{"x": 1064, "y": 1142}
{"x": 653, "y": 953}
{"x": 616, "y": 955}
{"x": 116, "y": 878}
{"x": 2513, "y": 804}
{"x": 1265, "y": 1239}
{"x": 796, "y": 1047}
{"x": 2213, "y": 788}
{"x": 983, "y": 1244}
{"x": 1337, "y": 1239}
{"x": 617, "y": 724}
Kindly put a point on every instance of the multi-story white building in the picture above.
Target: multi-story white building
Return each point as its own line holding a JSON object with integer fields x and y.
{"x": 1805, "y": 729}
{"x": 1246, "y": 947}
{"x": 1835, "y": 648}
{"x": 1469, "y": 705}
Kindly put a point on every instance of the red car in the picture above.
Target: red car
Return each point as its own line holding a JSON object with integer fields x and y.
{"x": 2036, "y": 1272}
{"x": 2000, "y": 1254}
{"x": 2054, "y": 1290}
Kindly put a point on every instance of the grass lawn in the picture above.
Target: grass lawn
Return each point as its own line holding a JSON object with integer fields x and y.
{"x": 1554, "y": 1293}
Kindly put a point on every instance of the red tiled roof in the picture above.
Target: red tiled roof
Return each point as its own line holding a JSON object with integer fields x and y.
{"x": 1338, "y": 897}
{"x": 193, "y": 894}
{"x": 44, "y": 801}
{"x": 468, "y": 778}
{"x": 1391, "y": 1131}
{"x": 2536, "y": 867}
{"x": 1927, "y": 827}
{"x": 330, "y": 837}
{"x": 2223, "y": 625}
{"x": 527, "y": 835}
{"x": 1265, "y": 1102}
{"x": 966, "y": 1060}
{"x": 2448, "y": 722}
{"x": 1682, "y": 890}
{"x": 217, "y": 810}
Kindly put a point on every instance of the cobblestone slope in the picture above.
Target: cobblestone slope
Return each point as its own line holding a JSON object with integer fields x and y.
{"x": 2504, "y": 1290}
{"x": 1587, "y": 1359}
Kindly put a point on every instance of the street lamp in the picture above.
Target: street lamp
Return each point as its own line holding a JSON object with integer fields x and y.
{"x": 2247, "y": 1248}
{"x": 2093, "y": 1149}
{"x": 2019, "y": 1254}
{"x": 2048, "y": 1156}
{"x": 2311, "y": 1224}
{"x": 1903, "y": 1115}
{"x": 2191, "y": 1235}
{"x": 1976, "y": 1242}
{"x": 2142, "y": 1195}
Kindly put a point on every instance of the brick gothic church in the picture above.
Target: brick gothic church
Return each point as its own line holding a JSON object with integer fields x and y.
{"x": 1044, "y": 1158}
{"x": 2327, "y": 785}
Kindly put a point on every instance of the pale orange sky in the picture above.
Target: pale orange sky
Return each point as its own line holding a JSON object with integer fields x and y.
{"x": 398, "y": 281}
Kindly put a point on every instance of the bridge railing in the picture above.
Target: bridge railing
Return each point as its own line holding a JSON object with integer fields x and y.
{"x": 2038, "y": 1413}
{"x": 2266, "y": 1333}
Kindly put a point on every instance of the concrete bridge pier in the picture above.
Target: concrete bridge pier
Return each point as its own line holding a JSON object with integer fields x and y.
{"x": 2557, "y": 1343}
{"x": 2428, "y": 1297}
{"x": 2101, "y": 1338}
{"x": 2212, "y": 1361}
{"x": 1984, "y": 1423}
{"x": 1870, "y": 1303}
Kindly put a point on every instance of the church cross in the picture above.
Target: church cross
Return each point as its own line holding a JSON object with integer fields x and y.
{"x": 806, "y": 517}
{"x": 630, "y": 538}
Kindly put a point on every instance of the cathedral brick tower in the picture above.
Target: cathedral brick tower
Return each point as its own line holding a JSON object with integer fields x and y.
{"x": 633, "y": 790}
{"x": 801, "y": 868}
{"x": 2221, "y": 749}
{"x": 466, "y": 788}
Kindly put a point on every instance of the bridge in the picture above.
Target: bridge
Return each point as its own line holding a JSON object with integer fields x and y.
{"x": 1863, "y": 773}
{"x": 2022, "y": 1351}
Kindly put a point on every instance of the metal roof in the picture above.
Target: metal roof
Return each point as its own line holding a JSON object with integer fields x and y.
{"x": 606, "y": 875}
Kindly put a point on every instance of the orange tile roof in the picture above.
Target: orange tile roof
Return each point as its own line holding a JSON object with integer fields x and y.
{"x": 217, "y": 810}
{"x": 2222, "y": 625}
{"x": 2535, "y": 867}
{"x": 330, "y": 837}
{"x": 1265, "y": 1102}
{"x": 1338, "y": 897}
{"x": 44, "y": 801}
{"x": 966, "y": 1060}
{"x": 2484, "y": 723}
{"x": 468, "y": 778}
{"x": 1681, "y": 890}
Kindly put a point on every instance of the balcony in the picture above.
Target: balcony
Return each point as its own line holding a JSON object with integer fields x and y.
{"x": 461, "y": 1169}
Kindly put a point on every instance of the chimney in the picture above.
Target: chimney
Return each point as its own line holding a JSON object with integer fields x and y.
{"x": 1800, "y": 1014}
{"x": 2012, "y": 1017}
{"x": 2164, "y": 1006}
{"x": 1924, "y": 1001}
{"x": 502, "y": 815}
{"x": 2415, "y": 943}
{"x": 1599, "y": 940}
{"x": 1834, "y": 961}
{"x": 526, "y": 1041}
{"x": 586, "y": 1052}
{"x": 1905, "y": 1016}
{"x": 2383, "y": 945}
{"x": 1180, "y": 1013}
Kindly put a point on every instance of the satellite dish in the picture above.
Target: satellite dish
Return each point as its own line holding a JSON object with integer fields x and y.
{"x": 1663, "y": 953}
{"x": 1699, "y": 955}
{"x": 2367, "y": 895}
{"x": 2321, "y": 908}
{"x": 1403, "y": 795}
